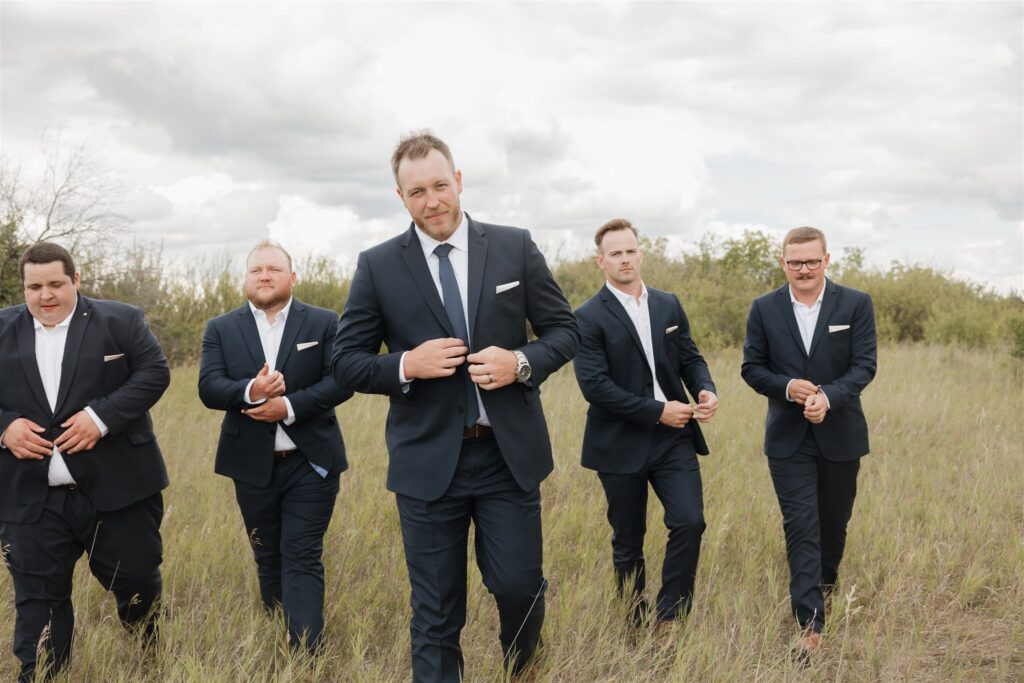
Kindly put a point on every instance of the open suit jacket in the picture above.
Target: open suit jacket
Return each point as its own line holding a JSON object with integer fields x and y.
{"x": 842, "y": 360}
{"x": 113, "y": 364}
{"x": 393, "y": 300}
{"x": 616, "y": 380}
{"x": 233, "y": 355}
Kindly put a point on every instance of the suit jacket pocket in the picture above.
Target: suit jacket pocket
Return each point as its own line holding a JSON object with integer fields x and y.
{"x": 140, "y": 438}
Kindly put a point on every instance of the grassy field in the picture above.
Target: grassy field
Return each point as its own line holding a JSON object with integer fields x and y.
{"x": 932, "y": 584}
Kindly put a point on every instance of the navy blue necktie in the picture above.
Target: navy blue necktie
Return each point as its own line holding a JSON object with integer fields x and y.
{"x": 453, "y": 307}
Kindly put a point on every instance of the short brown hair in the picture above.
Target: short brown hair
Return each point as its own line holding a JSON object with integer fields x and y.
{"x": 47, "y": 252}
{"x": 801, "y": 235}
{"x": 614, "y": 225}
{"x": 417, "y": 145}
{"x": 270, "y": 244}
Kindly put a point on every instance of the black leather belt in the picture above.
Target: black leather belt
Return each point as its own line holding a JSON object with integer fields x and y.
{"x": 476, "y": 432}
{"x": 285, "y": 454}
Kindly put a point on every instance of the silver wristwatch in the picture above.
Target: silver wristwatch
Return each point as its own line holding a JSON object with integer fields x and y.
{"x": 522, "y": 367}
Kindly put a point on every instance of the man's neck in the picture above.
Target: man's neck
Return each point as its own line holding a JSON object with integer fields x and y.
{"x": 807, "y": 299}
{"x": 271, "y": 311}
{"x": 634, "y": 289}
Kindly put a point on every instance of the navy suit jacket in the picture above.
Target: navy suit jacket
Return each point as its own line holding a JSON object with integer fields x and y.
{"x": 393, "y": 300}
{"x": 232, "y": 355}
{"x": 842, "y": 360}
{"x": 616, "y": 380}
{"x": 112, "y": 364}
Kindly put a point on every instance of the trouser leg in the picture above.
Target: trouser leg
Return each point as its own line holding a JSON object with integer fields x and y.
{"x": 261, "y": 513}
{"x": 837, "y": 489}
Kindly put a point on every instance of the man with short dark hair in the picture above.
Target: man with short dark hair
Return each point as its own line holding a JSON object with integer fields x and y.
{"x": 80, "y": 469}
{"x": 451, "y": 298}
{"x": 267, "y": 366}
{"x": 635, "y": 357}
{"x": 811, "y": 349}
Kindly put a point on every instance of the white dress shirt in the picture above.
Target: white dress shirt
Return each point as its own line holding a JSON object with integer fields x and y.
{"x": 49, "y": 357}
{"x": 459, "y": 257}
{"x": 806, "y": 321}
{"x": 640, "y": 314}
{"x": 270, "y": 340}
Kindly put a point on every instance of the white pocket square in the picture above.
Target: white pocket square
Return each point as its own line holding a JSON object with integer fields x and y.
{"x": 670, "y": 330}
{"x": 505, "y": 287}
{"x": 107, "y": 359}
{"x": 837, "y": 328}
{"x": 301, "y": 346}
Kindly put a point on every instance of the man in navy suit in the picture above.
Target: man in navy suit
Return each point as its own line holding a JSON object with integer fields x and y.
{"x": 635, "y": 356}
{"x": 80, "y": 469}
{"x": 811, "y": 349}
{"x": 451, "y": 298}
{"x": 267, "y": 365}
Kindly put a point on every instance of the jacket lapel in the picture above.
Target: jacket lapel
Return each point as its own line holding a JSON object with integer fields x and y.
{"x": 787, "y": 313}
{"x": 292, "y": 325}
{"x": 658, "y": 326}
{"x": 828, "y": 305}
{"x": 73, "y": 349}
{"x": 27, "y": 353}
{"x": 251, "y": 335}
{"x": 615, "y": 308}
{"x": 412, "y": 254}
{"x": 477, "y": 259}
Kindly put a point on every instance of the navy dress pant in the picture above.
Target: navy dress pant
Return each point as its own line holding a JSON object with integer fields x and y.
{"x": 509, "y": 553}
{"x": 674, "y": 473}
{"x": 125, "y": 552}
{"x": 286, "y": 522}
{"x": 816, "y": 498}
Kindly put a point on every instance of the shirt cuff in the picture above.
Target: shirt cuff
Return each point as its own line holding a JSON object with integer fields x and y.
{"x": 787, "y": 390}
{"x": 401, "y": 372}
{"x": 828, "y": 403}
{"x": 99, "y": 423}
{"x": 291, "y": 413}
{"x": 246, "y": 396}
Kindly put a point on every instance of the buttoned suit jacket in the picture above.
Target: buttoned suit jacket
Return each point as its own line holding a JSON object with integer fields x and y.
{"x": 233, "y": 355}
{"x": 842, "y": 359}
{"x": 393, "y": 300}
{"x": 615, "y": 378}
{"x": 113, "y": 364}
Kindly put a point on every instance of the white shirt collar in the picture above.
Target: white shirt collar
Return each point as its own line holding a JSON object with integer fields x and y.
{"x": 458, "y": 239}
{"x": 281, "y": 315}
{"x": 66, "y": 322}
{"x": 623, "y": 297}
{"x": 821, "y": 294}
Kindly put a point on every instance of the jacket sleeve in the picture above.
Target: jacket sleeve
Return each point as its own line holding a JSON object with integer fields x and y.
{"x": 323, "y": 396}
{"x": 597, "y": 386}
{"x": 550, "y": 316}
{"x": 756, "y": 370}
{"x": 216, "y": 389}
{"x": 693, "y": 369}
{"x": 357, "y": 363}
{"x": 863, "y": 357}
{"x": 148, "y": 378}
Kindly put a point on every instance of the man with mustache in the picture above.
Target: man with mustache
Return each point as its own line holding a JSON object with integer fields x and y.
{"x": 811, "y": 349}
{"x": 635, "y": 357}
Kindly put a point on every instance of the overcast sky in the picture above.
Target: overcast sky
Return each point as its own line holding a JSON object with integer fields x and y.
{"x": 896, "y": 127}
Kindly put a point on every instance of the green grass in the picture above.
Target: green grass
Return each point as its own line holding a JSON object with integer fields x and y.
{"x": 932, "y": 584}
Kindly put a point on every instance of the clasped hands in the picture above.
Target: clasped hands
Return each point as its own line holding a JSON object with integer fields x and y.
{"x": 270, "y": 386}
{"x": 678, "y": 414}
{"x": 22, "y": 437}
{"x": 808, "y": 394}
{"x": 490, "y": 368}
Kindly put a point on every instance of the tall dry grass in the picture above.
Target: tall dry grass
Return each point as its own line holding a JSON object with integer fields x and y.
{"x": 932, "y": 584}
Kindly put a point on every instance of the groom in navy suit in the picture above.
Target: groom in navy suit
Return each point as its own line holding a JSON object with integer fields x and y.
{"x": 267, "y": 366}
{"x": 635, "y": 356}
{"x": 811, "y": 349}
{"x": 451, "y": 298}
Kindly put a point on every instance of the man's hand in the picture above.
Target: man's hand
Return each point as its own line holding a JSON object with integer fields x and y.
{"x": 22, "y": 438}
{"x": 815, "y": 408}
{"x": 81, "y": 434}
{"x": 435, "y": 358}
{"x": 676, "y": 414}
{"x": 493, "y": 367}
{"x": 705, "y": 410}
{"x": 801, "y": 389}
{"x": 273, "y": 410}
{"x": 267, "y": 384}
